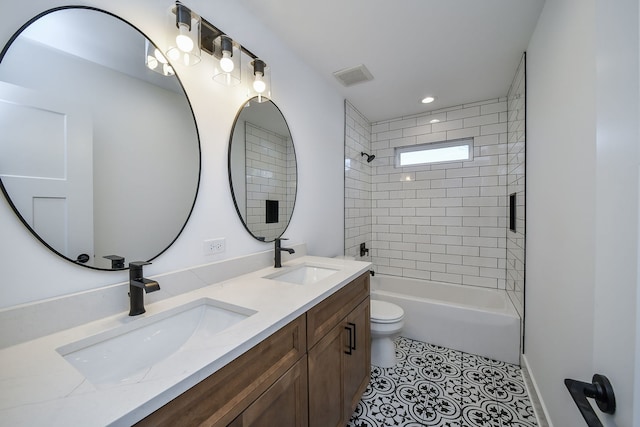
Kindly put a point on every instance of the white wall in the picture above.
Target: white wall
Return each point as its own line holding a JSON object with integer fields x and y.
{"x": 582, "y": 194}
{"x": 30, "y": 272}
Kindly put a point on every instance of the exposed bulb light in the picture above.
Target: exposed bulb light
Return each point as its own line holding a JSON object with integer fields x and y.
{"x": 184, "y": 46}
{"x": 156, "y": 61}
{"x": 226, "y": 63}
{"x": 258, "y": 71}
{"x": 428, "y": 99}
{"x": 152, "y": 62}
{"x": 258, "y": 84}
{"x": 183, "y": 22}
{"x": 159, "y": 56}
{"x": 183, "y": 40}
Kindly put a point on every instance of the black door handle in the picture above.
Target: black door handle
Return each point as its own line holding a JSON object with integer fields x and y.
{"x": 600, "y": 390}
{"x": 353, "y": 346}
{"x": 348, "y": 328}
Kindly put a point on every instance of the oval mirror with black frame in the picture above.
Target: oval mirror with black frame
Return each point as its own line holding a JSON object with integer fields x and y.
{"x": 262, "y": 169}
{"x": 99, "y": 154}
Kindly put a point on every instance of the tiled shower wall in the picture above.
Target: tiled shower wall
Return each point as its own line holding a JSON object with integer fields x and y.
{"x": 444, "y": 222}
{"x": 357, "y": 182}
{"x": 516, "y": 184}
{"x": 269, "y": 158}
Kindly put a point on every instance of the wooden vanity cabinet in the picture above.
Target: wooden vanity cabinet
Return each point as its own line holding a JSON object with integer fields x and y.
{"x": 340, "y": 359}
{"x": 312, "y": 372}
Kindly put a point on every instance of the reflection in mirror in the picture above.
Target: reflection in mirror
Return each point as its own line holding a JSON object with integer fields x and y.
{"x": 262, "y": 170}
{"x": 99, "y": 155}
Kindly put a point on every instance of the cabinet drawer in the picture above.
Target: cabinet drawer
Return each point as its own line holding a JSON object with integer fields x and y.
{"x": 220, "y": 398}
{"x": 324, "y": 316}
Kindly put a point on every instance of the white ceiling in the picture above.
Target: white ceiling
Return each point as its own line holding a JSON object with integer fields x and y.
{"x": 461, "y": 51}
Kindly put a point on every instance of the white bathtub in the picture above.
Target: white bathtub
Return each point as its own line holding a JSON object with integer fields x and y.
{"x": 470, "y": 319}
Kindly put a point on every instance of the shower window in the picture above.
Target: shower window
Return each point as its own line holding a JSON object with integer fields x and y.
{"x": 435, "y": 152}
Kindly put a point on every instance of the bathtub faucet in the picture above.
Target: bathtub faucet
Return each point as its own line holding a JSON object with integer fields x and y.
{"x": 279, "y": 249}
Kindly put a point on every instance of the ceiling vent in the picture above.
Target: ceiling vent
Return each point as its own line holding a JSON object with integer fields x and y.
{"x": 353, "y": 75}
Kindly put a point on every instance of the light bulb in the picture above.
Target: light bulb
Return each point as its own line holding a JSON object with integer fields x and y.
{"x": 159, "y": 56}
{"x": 226, "y": 63}
{"x": 152, "y": 62}
{"x": 259, "y": 84}
{"x": 183, "y": 39}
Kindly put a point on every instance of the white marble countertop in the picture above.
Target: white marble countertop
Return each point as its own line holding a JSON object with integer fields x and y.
{"x": 39, "y": 387}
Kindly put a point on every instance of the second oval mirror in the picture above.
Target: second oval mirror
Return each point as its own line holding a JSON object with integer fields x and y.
{"x": 262, "y": 169}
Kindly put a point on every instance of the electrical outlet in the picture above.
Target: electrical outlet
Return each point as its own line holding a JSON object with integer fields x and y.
{"x": 213, "y": 246}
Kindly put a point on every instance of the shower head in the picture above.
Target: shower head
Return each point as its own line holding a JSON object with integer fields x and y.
{"x": 370, "y": 157}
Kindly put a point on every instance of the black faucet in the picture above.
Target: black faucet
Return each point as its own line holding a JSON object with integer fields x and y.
{"x": 138, "y": 284}
{"x": 279, "y": 250}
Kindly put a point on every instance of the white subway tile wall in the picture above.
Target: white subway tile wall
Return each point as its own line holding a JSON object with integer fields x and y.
{"x": 270, "y": 164}
{"x": 516, "y": 184}
{"x": 445, "y": 222}
{"x": 357, "y": 183}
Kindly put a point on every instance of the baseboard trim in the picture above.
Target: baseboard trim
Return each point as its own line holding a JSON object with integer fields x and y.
{"x": 539, "y": 407}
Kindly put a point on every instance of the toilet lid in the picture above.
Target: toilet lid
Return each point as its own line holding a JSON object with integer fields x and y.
{"x": 385, "y": 312}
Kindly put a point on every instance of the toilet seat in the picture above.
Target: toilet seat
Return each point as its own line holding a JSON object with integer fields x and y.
{"x": 385, "y": 312}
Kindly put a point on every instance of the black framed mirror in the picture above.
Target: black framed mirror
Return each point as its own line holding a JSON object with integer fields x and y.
{"x": 263, "y": 172}
{"x": 99, "y": 154}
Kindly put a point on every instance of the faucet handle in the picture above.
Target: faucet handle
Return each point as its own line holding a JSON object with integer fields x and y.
{"x": 138, "y": 263}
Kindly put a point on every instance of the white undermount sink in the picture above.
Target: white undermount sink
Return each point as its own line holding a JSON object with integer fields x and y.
{"x": 303, "y": 274}
{"x": 126, "y": 353}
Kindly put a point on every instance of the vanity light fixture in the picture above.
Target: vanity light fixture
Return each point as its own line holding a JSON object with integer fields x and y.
{"x": 156, "y": 61}
{"x": 185, "y": 48}
{"x": 261, "y": 85}
{"x": 196, "y": 34}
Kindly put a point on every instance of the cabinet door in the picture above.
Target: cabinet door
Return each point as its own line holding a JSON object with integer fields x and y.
{"x": 357, "y": 365}
{"x": 284, "y": 404}
{"x": 326, "y": 377}
{"x": 327, "y": 314}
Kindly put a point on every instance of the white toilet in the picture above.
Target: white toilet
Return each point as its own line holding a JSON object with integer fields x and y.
{"x": 387, "y": 320}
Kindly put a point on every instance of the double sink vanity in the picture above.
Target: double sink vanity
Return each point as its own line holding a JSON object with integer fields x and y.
{"x": 286, "y": 345}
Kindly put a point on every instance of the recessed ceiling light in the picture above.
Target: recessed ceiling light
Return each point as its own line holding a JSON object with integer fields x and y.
{"x": 435, "y": 121}
{"x": 428, "y": 99}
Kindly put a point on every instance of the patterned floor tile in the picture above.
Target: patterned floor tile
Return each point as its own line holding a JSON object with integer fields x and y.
{"x": 436, "y": 386}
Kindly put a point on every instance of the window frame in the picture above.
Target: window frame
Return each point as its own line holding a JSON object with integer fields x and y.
{"x": 468, "y": 141}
